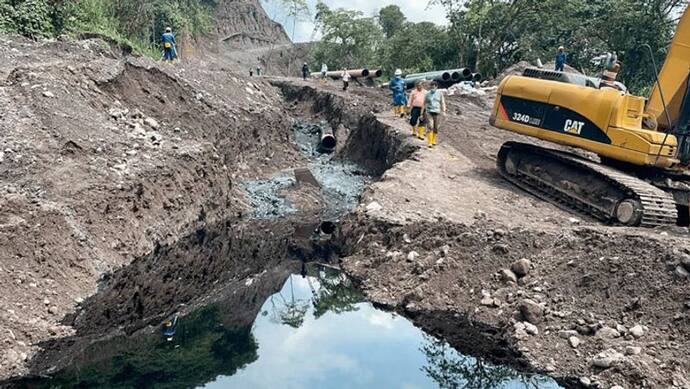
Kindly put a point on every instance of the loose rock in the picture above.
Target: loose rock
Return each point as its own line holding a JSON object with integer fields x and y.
{"x": 574, "y": 341}
{"x": 412, "y": 255}
{"x": 374, "y": 206}
{"x": 682, "y": 272}
{"x": 608, "y": 333}
{"x": 633, "y": 350}
{"x": 607, "y": 359}
{"x": 531, "y": 311}
{"x": 520, "y": 267}
{"x": 637, "y": 331}
{"x": 531, "y": 328}
{"x": 508, "y": 276}
{"x": 151, "y": 122}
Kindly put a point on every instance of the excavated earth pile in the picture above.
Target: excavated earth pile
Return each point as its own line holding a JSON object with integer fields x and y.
{"x": 103, "y": 159}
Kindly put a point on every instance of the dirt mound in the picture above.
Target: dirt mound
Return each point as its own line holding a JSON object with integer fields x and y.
{"x": 609, "y": 290}
{"x": 245, "y": 24}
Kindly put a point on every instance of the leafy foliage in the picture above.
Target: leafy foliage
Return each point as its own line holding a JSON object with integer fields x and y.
{"x": 348, "y": 38}
{"x": 391, "y": 20}
{"x": 140, "y": 22}
{"x": 494, "y": 34}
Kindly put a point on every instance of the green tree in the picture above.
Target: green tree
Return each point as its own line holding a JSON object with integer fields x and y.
{"x": 419, "y": 47}
{"x": 494, "y": 34}
{"x": 348, "y": 38}
{"x": 391, "y": 20}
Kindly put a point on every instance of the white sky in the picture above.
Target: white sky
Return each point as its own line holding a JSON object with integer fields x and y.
{"x": 414, "y": 10}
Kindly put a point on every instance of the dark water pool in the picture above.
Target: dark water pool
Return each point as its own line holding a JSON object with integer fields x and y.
{"x": 316, "y": 332}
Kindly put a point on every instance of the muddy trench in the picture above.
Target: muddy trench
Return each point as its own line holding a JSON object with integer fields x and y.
{"x": 227, "y": 270}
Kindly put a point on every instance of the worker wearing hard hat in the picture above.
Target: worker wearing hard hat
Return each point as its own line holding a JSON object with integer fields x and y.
{"x": 397, "y": 85}
{"x": 169, "y": 49}
{"x": 561, "y": 56}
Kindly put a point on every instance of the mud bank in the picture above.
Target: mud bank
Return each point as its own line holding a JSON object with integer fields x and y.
{"x": 586, "y": 292}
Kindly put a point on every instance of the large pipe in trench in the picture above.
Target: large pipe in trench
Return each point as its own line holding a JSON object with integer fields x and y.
{"x": 327, "y": 227}
{"x": 327, "y": 140}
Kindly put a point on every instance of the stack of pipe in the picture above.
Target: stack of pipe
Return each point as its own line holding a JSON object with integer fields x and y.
{"x": 355, "y": 73}
{"x": 443, "y": 77}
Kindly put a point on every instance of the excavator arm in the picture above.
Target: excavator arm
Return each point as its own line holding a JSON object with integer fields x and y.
{"x": 673, "y": 79}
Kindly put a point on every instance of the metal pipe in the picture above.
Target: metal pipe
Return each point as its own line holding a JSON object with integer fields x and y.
{"x": 327, "y": 140}
{"x": 354, "y": 73}
{"x": 327, "y": 227}
{"x": 440, "y": 76}
{"x": 476, "y": 77}
{"x": 375, "y": 73}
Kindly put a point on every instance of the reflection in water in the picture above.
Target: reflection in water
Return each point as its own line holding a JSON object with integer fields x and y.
{"x": 451, "y": 370}
{"x": 317, "y": 332}
{"x": 202, "y": 349}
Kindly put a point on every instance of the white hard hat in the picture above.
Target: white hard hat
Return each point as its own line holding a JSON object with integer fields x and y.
{"x": 561, "y": 48}
{"x": 398, "y": 72}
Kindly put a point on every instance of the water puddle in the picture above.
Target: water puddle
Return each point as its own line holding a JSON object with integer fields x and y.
{"x": 316, "y": 332}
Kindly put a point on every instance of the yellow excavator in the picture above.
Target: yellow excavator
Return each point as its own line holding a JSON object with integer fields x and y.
{"x": 637, "y": 171}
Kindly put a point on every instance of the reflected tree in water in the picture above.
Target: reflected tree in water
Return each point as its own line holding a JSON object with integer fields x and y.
{"x": 336, "y": 293}
{"x": 331, "y": 291}
{"x": 289, "y": 311}
{"x": 201, "y": 350}
{"x": 452, "y": 370}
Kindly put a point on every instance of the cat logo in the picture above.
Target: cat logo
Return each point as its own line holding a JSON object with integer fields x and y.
{"x": 573, "y": 127}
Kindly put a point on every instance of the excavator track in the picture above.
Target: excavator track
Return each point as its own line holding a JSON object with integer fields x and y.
{"x": 574, "y": 183}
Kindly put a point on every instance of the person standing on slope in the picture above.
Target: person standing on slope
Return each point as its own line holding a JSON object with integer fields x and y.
{"x": 397, "y": 85}
{"x": 435, "y": 107}
{"x": 305, "y": 71}
{"x": 561, "y": 56}
{"x": 324, "y": 71}
{"x": 346, "y": 79}
{"x": 169, "y": 49}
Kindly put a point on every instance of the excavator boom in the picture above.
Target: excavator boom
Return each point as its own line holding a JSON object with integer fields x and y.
{"x": 673, "y": 78}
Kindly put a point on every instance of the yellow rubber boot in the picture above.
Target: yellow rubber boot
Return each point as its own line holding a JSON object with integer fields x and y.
{"x": 421, "y": 132}
{"x": 433, "y": 141}
{"x": 430, "y": 138}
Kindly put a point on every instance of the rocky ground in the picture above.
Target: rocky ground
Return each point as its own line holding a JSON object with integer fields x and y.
{"x": 108, "y": 159}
